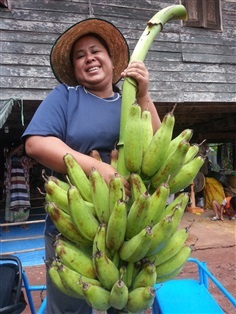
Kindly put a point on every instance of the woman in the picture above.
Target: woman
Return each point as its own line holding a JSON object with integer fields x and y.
{"x": 227, "y": 207}
{"x": 17, "y": 188}
{"x": 83, "y": 114}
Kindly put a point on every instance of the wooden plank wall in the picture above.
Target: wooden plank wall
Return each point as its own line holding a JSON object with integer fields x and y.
{"x": 186, "y": 64}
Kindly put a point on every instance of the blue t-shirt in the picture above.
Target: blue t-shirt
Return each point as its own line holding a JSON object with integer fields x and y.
{"x": 80, "y": 119}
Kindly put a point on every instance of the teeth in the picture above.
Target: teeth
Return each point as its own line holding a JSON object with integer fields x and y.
{"x": 93, "y": 69}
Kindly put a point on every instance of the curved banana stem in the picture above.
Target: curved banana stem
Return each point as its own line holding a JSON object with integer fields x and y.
{"x": 129, "y": 88}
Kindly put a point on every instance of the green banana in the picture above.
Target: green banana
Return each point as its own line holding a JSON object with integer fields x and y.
{"x": 73, "y": 281}
{"x": 132, "y": 140}
{"x": 171, "y": 166}
{"x": 114, "y": 157}
{"x": 115, "y": 257}
{"x": 116, "y": 191}
{"x": 119, "y": 295}
{"x": 147, "y": 130}
{"x": 72, "y": 277}
{"x": 182, "y": 199}
{"x": 100, "y": 195}
{"x": 65, "y": 225}
{"x": 130, "y": 269}
{"x": 146, "y": 277}
{"x": 82, "y": 218}
{"x": 75, "y": 258}
{"x": 123, "y": 273}
{"x": 177, "y": 212}
{"x": 61, "y": 202}
{"x": 175, "y": 262}
{"x": 97, "y": 297}
{"x": 78, "y": 177}
{"x": 140, "y": 299}
{"x": 62, "y": 184}
{"x": 137, "y": 185}
{"x": 91, "y": 207}
{"x": 191, "y": 153}
{"x": 61, "y": 239}
{"x": 186, "y": 175}
{"x": 99, "y": 242}
{"x": 155, "y": 153}
{"x": 185, "y": 135}
{"x": 56, "y": 194}
{"x": 137, "y": 247}
{"x": 56, "y": 280}
{"x": 116, "y": 226}
{"x": 175, "y": 243}
{"x": 157, "y": 204}
{"x": 161, "y": 234}
{"x": 106, "y": 270}
{"x": 71, "y": 288}
{"x": 169, "y": 276}
{"x": 137, "y": 215}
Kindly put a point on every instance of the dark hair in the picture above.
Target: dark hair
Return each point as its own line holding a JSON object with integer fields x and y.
{"x": 233, "y": 202}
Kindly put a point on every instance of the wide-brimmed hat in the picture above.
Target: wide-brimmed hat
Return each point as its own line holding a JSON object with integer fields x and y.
{"x": 60, "y": 54}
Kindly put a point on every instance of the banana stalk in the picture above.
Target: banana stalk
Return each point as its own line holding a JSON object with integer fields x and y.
{"x": 129, "y": 88}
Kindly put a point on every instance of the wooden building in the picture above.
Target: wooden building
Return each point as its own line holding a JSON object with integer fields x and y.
{"x": 191, "y": 63}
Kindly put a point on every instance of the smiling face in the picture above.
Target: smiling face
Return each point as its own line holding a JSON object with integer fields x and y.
{"x": 92, "y": 64}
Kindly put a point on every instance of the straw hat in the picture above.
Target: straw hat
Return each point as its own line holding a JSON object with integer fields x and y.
{"x": 60, "y": 53}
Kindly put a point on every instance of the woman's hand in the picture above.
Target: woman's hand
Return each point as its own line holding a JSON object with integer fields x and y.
{"x": 107, "y": 172}
{"x": 42, "y": 149}
{"x": 138, "y": 71}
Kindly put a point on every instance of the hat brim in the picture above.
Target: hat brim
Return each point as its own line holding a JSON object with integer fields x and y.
{"x": 61, "y": 50}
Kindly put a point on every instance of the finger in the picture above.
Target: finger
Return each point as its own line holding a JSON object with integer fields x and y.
{"x": 127, "y": 187}
{"x": 137, "y": 63}
{"x": 128, "y": 194}
{"x": 135, "y": 74}
{"x": 126, "y": 184}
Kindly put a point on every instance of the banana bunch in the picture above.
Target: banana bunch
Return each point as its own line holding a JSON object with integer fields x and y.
{"x": 110, "y": 250}
{"x": 159, "y": 157}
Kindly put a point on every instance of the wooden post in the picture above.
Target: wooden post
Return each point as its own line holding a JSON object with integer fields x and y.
{"x": 193, "y": 208}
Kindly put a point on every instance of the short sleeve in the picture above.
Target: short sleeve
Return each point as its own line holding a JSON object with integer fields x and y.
{"x": 50, "y": 117}
{"x": 224, "y": 202}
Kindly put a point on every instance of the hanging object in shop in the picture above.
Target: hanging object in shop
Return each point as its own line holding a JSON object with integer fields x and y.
{"x": 6, "y": 129}
{"x": 6, "y": 108}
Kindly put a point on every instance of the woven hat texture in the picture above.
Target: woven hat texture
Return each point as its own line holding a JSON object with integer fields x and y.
{"x": 60, "y": 53}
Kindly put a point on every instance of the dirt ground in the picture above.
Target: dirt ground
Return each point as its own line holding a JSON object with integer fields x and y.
{"x": 213, "y": 242}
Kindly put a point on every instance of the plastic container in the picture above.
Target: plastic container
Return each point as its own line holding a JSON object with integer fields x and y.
{"x": 189, "y": 295}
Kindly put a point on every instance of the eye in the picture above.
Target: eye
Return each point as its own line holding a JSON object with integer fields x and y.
{"x": 79, "y": 55}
